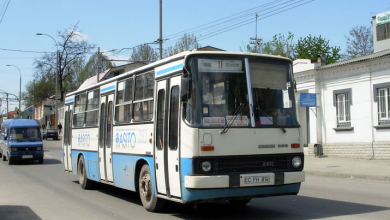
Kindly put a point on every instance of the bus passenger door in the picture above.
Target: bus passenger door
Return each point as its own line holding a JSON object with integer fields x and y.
{"x": 67, "y": 138}
{"x": 167, "y": 153}
{"x": 105, "y": 138}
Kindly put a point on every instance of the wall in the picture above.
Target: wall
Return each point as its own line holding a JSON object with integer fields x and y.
{"x": 364, "y": 140}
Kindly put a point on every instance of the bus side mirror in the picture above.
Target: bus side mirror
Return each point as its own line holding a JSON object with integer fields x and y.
{"x": 185, "y": 92}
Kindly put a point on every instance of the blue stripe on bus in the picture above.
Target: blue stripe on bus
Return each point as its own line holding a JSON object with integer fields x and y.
{"x": 91, "y": 163}
{"x": 107, "y": 88}
{"x": 189, "y": 195}
{"x": 169, "y": 69}
{"x": 69, "y": 100}
{"x": 124, "y": 170}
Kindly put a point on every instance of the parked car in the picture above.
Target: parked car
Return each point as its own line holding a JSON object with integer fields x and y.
{"x": 50, "y": 133}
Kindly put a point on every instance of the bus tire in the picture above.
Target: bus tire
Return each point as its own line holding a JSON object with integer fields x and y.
{"x": 239, "y": 202}
{"x": 85, "y": 183}
{"x": 145, "y": 189}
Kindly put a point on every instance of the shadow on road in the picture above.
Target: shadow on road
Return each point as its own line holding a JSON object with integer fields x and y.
{"x": 8, "y": 212}
{"x": 285, "y": 207}
{"x": 46, "y": 161}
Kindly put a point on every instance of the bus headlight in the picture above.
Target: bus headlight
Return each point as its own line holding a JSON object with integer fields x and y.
{"x": 296, "y": 161}
{"x": 206, "y": 166}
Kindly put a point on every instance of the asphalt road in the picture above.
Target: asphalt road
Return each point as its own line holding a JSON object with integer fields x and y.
{"x": 44, "y": 191}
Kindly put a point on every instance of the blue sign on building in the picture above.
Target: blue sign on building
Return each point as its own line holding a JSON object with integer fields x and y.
{"x": 308, "y": 100}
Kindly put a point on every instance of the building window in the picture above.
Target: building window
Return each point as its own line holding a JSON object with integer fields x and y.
{"x": 383, "y": 105}
{"x": 382, "y": 97}
{"x": 342, "y": 100}
{"x": 383, "y": 32}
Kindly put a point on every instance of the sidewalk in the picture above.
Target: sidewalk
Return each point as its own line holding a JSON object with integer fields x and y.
{"x": 347, "y": 168}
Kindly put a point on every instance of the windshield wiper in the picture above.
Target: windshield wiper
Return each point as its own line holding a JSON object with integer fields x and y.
{"x": 271, "y": 119}
{"x": 229, "y": 123}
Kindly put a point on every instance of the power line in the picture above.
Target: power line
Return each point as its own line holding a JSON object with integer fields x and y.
{"x": 235, "y": 21}
{"x": 24, "y": 51}
{"x": 3, "y": 11}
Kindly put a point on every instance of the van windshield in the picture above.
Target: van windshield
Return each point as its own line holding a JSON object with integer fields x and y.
{"x": 25, "y": 134}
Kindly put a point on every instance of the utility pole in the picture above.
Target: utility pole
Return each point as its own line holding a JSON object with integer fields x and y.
{"x": 7, "y": 107}
{"x": 254, "y": 40}
{"x": 98, "y": 65}
{"x": 33, "y": 100}
{"x": 160, "y": 39}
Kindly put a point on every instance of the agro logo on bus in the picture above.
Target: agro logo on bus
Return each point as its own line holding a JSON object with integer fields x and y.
{"x": 126, "y": 139}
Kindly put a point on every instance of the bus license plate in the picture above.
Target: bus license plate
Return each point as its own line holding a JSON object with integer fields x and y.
{"x": 27, "y": 156}
{"x": 256, "y": 179}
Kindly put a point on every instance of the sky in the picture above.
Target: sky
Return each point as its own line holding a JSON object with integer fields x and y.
{"x": 117, "y": 24}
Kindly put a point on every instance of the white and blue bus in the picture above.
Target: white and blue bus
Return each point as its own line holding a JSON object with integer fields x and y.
{"x": 196, "y": 127}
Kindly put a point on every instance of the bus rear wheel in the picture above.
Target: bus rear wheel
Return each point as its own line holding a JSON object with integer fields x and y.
{"x": 145, "y": 188}
{"x": 85, "y": 183}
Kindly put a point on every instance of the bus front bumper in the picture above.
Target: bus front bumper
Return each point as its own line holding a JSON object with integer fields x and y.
{"x": 243, "y": 180}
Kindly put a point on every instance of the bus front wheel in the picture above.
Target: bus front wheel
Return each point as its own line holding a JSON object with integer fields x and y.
{"x": 85, "y": 183}
{"x": 145, "y": 188}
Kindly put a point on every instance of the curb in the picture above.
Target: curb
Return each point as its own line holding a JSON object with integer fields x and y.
{"x": 344, "y": 175}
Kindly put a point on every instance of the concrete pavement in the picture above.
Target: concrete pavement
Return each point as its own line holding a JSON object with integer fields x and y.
{"x": 347, "y": 168}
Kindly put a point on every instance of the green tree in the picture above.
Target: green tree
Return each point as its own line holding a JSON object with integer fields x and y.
{"x": 279, "y": 45}
{"x": 38, "y": 90}
{"x": 359, "y": 42}
{"x": 185, "y": 43}
{"x": 144, "y": 53}
{"x": 72, "y": 47}
{"x": 310, "y": 47}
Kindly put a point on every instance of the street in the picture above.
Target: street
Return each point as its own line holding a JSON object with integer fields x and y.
{"x": 29, "y": 190}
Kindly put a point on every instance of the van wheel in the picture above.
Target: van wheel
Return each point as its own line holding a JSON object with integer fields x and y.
{"x": 40, "y": 161}
{"x": 145, "y": 186}
{"x": 9, "y": 161}
{"x": 85, "y": 183}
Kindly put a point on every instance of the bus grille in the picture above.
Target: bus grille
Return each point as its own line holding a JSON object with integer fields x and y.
{"x": 249, "y": 164}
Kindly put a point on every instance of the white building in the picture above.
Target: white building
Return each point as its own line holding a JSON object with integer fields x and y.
{"x": 352, "y": 117}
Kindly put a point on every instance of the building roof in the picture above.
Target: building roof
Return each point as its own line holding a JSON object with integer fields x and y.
{"x": 358, "y": 59}
{"x": 92, "y": 80}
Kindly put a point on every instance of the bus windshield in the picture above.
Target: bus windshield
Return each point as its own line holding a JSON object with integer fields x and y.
{"x": 220, "y": 96}
{"x": 25, "y": 134}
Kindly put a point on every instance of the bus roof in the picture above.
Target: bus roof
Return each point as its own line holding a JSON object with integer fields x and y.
{"x": 178, "y": 56}
{"x": 20, "y": 123}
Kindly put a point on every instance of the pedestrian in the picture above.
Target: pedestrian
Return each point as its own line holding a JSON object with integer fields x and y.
{"x": 59, "y": 127}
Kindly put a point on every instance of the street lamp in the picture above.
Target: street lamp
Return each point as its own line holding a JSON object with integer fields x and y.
{"x": 55, "y": 113}
{"x": 20, "y": 86}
